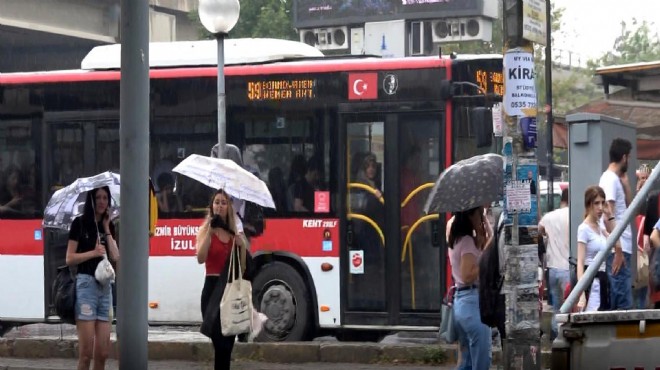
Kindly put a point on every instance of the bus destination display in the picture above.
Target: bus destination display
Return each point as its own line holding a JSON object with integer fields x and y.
{"x": 282, "y": 89}
{"x": 490, "y": 82}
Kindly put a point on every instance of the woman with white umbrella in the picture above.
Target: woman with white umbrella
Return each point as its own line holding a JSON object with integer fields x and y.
{"x": 92, "y": 236}
{"x": 215, "y": 240}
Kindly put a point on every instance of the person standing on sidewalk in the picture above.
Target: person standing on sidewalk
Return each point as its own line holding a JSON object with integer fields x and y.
{"x": 91, "y": 237}
{"x": 641, "y": 285}
{"x": 555, "y": 226}
{"x": 614, "y": 181}
{"x": 215, "y": 241}
{"x": 467, "y": 240}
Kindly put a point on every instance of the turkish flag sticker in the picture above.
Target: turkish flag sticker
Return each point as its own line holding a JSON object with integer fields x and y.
{"x": 362, "y": 86}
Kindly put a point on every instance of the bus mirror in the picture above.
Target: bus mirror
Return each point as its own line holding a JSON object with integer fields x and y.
{"x": 435, "y": 233}
{"x": 481, "y": 124}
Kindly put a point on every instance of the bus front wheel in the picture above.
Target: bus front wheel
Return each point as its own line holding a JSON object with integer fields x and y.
{"x": 281, "y": 294}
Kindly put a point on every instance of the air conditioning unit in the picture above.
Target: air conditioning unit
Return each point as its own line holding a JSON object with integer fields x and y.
{"x": 462, "y": 29}
{"x": 330, "y": 38}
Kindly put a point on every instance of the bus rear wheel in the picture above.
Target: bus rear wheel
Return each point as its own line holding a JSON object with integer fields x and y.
{"x": 282, "y": 295}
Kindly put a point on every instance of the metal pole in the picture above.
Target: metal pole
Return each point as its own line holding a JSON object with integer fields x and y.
{"x": 222, "y": 107}
{"x": 134, "y": 144}
{"x": 549, "y": 122}
{"x": 522, "y": 346}
{"x": 628, "y": 216}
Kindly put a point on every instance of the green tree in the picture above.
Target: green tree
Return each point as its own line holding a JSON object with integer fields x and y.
{"x": 258, "y": 18}
{"x": 638, "y": 43}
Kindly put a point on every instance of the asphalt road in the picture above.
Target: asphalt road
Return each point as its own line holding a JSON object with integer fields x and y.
{"x": 62, "y": 364}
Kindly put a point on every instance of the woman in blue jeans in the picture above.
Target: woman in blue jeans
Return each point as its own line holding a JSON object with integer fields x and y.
{"x": 468, "y": 237}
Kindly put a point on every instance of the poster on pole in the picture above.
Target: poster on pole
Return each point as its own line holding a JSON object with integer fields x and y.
{"x": 497, "y": 120}
{"x": 519, "y": 87}
{"x": 534, "y": 21}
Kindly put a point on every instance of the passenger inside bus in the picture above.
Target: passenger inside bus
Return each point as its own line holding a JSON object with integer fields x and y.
{"x": 168, "y": 202}
{"x": 367, "y": 291}
{"x": 16, "y": 197}
{"x": 303, "y": 182}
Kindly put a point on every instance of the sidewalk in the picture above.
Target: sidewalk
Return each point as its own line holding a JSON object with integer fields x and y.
{"x": 41, "y": 341}
{"x": 187, "y": 344}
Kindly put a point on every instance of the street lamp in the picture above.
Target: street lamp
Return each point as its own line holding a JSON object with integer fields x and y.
{"x": 219, "y": 17}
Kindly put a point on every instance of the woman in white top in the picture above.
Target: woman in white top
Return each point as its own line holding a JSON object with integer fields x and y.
{"x": 592, "y": 238}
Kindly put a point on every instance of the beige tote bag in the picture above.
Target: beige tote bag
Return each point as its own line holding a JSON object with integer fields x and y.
{"x": 236, "y": 302}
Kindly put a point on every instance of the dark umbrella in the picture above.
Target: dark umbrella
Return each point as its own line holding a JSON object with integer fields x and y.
{"x": 468, "y": 184}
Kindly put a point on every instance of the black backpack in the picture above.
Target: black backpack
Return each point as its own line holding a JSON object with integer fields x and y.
{"x": 64, "y": 295}
{"x": 491, "y": 303}
{"x": 253, "y": 219}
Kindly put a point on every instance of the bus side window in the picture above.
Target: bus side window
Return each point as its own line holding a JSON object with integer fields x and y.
{"x": 278, "y": 190}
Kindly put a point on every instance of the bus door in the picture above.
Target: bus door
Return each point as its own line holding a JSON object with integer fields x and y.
{"x": 392, "y": 266}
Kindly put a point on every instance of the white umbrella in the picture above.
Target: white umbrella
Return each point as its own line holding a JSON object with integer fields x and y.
{"x": 225, "y": 174}
{"x": 67, "y": 203}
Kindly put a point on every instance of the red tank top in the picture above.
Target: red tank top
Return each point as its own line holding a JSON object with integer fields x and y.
{"x": 218, "y": 255}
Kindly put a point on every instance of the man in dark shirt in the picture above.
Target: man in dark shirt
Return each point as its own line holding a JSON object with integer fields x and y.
{"x": 304, "y": 188}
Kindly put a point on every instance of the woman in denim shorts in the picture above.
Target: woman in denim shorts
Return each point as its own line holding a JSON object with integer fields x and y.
{"x": 91, "y": 237}
{"x": 468, "y": 236}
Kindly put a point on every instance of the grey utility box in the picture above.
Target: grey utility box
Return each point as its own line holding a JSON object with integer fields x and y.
{"x": 590, "y": 136}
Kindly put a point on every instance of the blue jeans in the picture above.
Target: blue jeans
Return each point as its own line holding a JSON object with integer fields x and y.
{"x": 620, "y": 284}
{"x": 473, "y": 336}
{"x": 640, "y": 298}
{"x": 557, "y": 281}
{"x": 93, "y": 301}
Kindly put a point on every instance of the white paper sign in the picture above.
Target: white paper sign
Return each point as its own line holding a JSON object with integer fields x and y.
{"x": 356, "y": 262}
{"x": 518, "y": 196}
{"x": 519, "y": 87}
{"x": 497, "y": 119}
{"x": 534, "y": 21}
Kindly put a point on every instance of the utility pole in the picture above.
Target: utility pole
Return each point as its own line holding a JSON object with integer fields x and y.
{"x": 132, "y": 282}
{"x": 549, "y": 121}
{"x": 522, "y": 22}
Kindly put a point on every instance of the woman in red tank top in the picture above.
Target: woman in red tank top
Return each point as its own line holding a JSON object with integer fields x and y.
{"x": 215, "y": 239}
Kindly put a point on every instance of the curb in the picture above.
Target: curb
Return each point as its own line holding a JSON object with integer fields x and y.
{"x": 290, "y": 352}
{"x": 295, "y": 352}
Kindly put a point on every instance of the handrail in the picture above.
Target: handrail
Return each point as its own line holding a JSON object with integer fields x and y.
{"x": 434, "y": 216}
{"x": 628, "y": 216}
{"x": 367, "y": 188}
{"x": 407, "y": 246}
{"x": 370, "y": 222}
{"x": 414, "y": 192}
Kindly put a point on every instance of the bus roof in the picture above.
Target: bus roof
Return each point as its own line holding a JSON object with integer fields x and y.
{"x": 204, "y": 53}
{"x": 268, "y": 66}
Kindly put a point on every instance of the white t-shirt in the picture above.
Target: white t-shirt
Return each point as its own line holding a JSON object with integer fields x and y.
{"x": 556, "y": 224}
{"x": 595, "y": 242}
{"x": 611, "y": 184}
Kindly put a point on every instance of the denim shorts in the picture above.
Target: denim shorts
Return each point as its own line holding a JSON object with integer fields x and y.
{"x": 93, "y": 301}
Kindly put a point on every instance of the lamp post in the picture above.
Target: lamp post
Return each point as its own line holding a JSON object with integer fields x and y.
{"x": 219, "y": 17}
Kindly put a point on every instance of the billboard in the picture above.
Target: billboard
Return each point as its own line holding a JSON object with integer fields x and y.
{"x": 323, "y": 13}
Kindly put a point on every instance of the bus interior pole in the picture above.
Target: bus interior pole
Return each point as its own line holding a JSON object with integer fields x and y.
{"x": 522, "y": 344}
{"x": 549, "y": 121}
{"x": 222, "y": 107}
{"x": 627, "y": 218}
{"x": 132, "y": 281}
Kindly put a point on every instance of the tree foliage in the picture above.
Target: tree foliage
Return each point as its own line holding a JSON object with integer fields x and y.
{"x": 258, "y": 18}
{"x": 636, "y": 43}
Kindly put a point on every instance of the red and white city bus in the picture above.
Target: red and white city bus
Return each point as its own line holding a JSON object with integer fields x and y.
{"x": 349, "y": 147}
